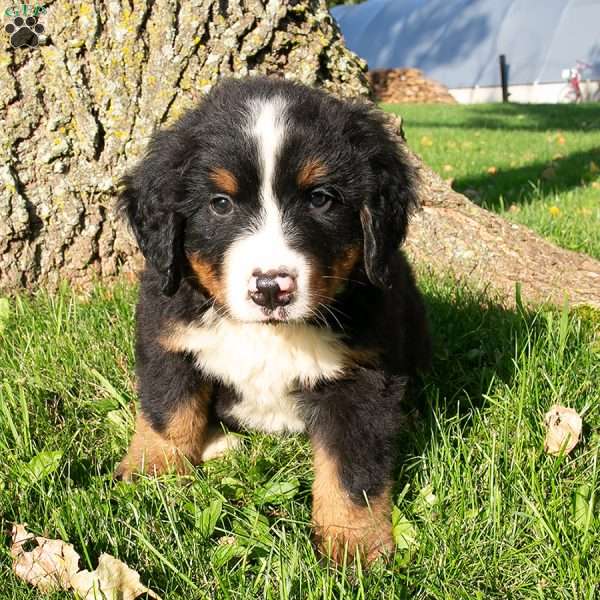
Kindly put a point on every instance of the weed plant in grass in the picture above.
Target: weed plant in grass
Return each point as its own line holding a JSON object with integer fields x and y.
{"x": 480, "y": 510}
{"x": 538, "y": 165}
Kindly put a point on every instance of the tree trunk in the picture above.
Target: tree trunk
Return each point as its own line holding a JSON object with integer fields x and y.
{"x": 77, "y": 111}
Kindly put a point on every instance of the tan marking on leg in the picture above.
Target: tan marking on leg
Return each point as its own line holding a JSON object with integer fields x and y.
{"x": 311, "y": 172}
{"x": 225, "y": 180}
{"x": 341, "y": 525}
{"x": 181, "y": 442}
{"x": 207, "y": 277}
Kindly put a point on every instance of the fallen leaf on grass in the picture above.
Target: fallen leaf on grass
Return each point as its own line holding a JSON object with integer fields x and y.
{"x": 563, "y": 429}
{"x": 54, "y": 565}
{"x": 111, "y": 580}
{"x": 49, "y": 566}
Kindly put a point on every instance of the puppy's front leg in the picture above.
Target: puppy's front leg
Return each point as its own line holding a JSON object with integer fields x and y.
{"x": 171, "y": 425}
{"x": 344, "y": 522}
{"x": 353, "y": 427}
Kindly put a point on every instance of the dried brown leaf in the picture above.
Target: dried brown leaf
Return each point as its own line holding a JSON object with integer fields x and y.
{"x": 111, "y": 580}
{"x": 563, "y": 429}
{"x": 49, "y": 566}
{"x": 53, "y": 565}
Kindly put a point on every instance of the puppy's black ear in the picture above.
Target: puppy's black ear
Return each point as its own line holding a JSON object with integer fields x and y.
{"x": 147, "y": 198}
{"x": 385, "y": 212}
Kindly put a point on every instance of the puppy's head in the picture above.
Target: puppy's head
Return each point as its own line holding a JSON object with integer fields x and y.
{"x": 272, "y": 195}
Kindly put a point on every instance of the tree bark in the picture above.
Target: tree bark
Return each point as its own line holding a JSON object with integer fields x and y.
{"x": 77, "y": 111}
{"x": 452, "y": 235}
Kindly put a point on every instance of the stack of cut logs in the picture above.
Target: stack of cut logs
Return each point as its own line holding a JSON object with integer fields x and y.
{"x": 407, "y": 85}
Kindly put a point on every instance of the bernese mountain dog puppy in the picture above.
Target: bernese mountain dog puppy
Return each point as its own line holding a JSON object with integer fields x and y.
{"x": 274, "y": 296}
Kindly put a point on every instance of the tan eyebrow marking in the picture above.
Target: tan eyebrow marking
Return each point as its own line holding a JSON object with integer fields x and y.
{"x": 225, "y": 180}
{"x": 311, "y": 172}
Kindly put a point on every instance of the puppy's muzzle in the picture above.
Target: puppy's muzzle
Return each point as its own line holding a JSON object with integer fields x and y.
{"x": 273, "y": 288}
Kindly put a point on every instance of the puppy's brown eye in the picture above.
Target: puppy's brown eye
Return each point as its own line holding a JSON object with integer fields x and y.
{"x": 321, "y": 200}
{"x": 221, "y": 205}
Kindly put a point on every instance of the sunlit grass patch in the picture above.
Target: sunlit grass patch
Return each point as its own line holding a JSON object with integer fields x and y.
{"x": 481, "y": 510}
{"x": 524, "y": 161}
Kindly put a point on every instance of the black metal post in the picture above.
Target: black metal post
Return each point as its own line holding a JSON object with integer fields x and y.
{"x": 504, "y": 78}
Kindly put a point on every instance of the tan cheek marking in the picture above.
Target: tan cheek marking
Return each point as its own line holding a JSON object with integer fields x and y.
{"x": 225, "y": 180}
{"x": 326, "y": 285}
{"x": 340, "y": 524}
{"x": 182, "y": 440}
{"x": 343, "y": 267}
{"x": 208, "y": 278}
{"x": 310, "y": 173}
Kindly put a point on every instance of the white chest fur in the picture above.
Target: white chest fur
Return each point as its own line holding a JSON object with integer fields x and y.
{"x": 265, "y": 363}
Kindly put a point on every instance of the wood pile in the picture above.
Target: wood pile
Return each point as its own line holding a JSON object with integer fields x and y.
{"x": 407, "y": 85}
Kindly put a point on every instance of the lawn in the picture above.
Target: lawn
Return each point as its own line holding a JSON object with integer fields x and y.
{"x": 481, "y": 510}
{"x": 537, "y": 165}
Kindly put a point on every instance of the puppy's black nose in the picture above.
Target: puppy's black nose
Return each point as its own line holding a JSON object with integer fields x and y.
{"x": 267, "y": 292}
{"x": 273, "y": 289}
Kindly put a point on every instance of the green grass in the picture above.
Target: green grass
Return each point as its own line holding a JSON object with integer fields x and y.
{"x": 538, "y": 165}
{"x": 481, "y": 510}
{"x": 484, "y": 511}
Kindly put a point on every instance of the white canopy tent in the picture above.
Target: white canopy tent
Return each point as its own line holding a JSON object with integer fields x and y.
{"x": 458, "y": 42}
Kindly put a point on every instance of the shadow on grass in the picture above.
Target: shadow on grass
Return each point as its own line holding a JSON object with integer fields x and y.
{"x": 539, "y": 179}
{"x": 475, "y": 341}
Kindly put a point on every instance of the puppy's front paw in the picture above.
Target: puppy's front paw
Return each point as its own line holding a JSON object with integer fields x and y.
{"x": 151, "y": 461}
{"x": 346, "y": 525}
{"x": 124, "y": 471}
{"x": 152, "y": 453}
{"x": 344, "y": 543}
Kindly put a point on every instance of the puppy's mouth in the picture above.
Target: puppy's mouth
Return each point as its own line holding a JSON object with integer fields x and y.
{"x": 277, "y": 315}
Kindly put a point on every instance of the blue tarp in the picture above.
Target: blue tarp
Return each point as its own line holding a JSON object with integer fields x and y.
{"x": 457, "y": 42}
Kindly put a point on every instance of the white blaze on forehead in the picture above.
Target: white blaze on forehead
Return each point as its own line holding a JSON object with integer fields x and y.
{"x": 269, "y": 130}
{"x": 266, "y": 245}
